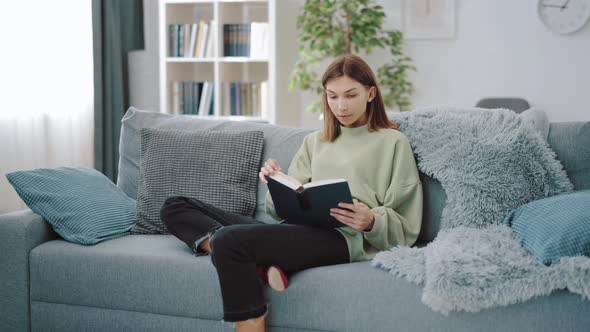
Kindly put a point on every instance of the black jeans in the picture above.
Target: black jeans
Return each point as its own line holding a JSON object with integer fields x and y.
{"x": 240, "y": 243}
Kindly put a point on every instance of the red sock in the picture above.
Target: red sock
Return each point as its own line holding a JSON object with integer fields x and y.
{"x": 262, "y": 272}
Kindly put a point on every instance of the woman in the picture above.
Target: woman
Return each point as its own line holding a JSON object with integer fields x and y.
{"x": 359, "y": 143}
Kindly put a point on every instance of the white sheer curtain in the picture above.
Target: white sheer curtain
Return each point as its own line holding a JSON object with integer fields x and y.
{"x": 46, "y": 86}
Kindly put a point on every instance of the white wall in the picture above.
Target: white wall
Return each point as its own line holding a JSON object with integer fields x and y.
{"x": 143, "y": 64}
{"x": 288, "y": 102}
{"x": 500, "y": 48}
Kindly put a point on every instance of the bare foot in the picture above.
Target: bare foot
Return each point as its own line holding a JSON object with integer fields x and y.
{"x": 251, "y": 325}
{"x": 205, "y": 246}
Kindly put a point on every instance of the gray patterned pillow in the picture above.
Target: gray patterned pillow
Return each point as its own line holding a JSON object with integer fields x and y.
{"x": 220, "y": 168}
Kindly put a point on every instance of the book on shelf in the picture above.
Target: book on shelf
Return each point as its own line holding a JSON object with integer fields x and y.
{"x": 226, "y": 99}
{"x": 243, "y": 91}
{"x": 244, "y": 98}
{"x": 307, "y": 204}
{"x": 194, "y": 90}
{"x": 186, "y": 28}
{"x": 179, "y": 40}
{"x": 189, "y": 97}
{"x": 191, "y": 40}
{"x": 171, "y": 40}
{"x": 205, "y": 106}
{"x": 209, "y": 44}
{"x": 199, "y": 37}
{"x": 259, "y": 40}
{"x": 175, "y": 97}
{"x": 246, "y": 40}
{"x": 203, "y": 42}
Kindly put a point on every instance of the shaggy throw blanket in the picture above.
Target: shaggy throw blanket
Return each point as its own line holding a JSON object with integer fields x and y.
{"x": 489, "y": 162}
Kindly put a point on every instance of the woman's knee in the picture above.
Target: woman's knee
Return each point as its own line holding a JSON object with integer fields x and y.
{"x": 220, "y": 239}
{"x": 222, "y": 243}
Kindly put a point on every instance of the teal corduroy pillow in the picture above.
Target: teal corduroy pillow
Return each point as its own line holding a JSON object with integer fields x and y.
{"x": 554, "y": 227}
{"x": 81, "y": 204}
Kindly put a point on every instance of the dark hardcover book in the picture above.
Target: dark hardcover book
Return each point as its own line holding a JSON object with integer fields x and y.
{"x": 171, "y": 40}
{"x": 232, "y": 98}
{"x": 180, "y": 44}
{"x": 237, "y": 95}
{"x": 236, "y": 40}
{"x": 225, "y": 40}
{"x": 198, "y": 86}
{"x": 233, "y": 40}
{"x": 308, "y": 204}
{"x": 212, "y": 106}
{"x": 242, "y": 40}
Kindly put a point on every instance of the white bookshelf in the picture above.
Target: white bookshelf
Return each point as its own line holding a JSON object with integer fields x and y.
{"x": 217, "y": 68}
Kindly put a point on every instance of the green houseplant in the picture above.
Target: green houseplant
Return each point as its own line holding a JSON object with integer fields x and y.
{"x": 330, "y": 28}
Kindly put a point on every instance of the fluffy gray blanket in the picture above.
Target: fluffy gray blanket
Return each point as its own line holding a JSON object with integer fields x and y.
{"x": 489, "y": 162}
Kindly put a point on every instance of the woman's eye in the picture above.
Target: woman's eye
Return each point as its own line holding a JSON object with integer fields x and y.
{"x": 332, "y": 97}
{"x": 351, "y": 96}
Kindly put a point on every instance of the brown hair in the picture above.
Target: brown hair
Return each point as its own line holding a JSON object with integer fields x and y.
{"x": 357, "y": 69}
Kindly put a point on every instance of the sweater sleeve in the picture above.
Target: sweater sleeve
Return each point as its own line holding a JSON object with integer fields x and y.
{"x": 398, "y": 220}
{"x": 300, "y": 168}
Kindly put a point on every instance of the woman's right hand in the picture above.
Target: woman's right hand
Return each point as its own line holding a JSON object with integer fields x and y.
{"x": 269, "y": 168}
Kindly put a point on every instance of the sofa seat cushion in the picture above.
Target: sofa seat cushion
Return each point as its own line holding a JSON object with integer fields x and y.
{"x": 144, "y": 273}
{"x": 359, "y": 297}
{"x": 571, "y": 143}
{"x": 159, "y": 274}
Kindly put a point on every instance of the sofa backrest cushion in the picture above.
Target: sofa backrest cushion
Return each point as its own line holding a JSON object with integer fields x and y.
{"x": 569, "y": 140}
{"x": 435, "y": 198}
{"x": 280, "y": 143}
{"x": 571, "y": 143}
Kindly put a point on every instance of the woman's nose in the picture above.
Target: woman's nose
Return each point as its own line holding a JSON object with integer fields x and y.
{"x": 341, "y": 104}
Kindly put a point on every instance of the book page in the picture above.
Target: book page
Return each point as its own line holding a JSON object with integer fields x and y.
{"x": 322, "y": 182}
{"x": 287, "y": 180}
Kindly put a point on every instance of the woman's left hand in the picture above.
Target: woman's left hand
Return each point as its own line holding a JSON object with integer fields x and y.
{"x": 360, "y": 216}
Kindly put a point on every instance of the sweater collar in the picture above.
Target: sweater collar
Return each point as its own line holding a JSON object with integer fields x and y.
{"x": 356, "y": 131}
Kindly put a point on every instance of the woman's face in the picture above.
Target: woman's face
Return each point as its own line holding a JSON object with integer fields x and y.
{"x": 348, "y": 100}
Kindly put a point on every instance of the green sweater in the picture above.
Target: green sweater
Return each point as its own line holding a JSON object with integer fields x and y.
{"x": 381, "y": 172}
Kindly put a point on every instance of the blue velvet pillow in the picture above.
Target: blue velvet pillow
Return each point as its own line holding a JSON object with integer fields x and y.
{"x": 554, "y": 227}
{"x": 81, "y": 204}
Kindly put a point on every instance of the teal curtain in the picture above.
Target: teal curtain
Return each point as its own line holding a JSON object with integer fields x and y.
{"x": 117, "y": 27}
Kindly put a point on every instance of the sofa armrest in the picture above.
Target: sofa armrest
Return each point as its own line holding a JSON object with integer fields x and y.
{"x": 20, "y": 232}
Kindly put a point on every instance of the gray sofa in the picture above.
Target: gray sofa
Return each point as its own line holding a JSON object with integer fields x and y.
{"x": 155, "y": 283}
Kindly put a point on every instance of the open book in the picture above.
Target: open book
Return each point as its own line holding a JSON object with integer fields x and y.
{"x": 308, "y": 204}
